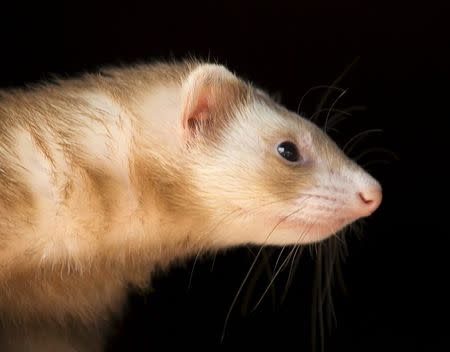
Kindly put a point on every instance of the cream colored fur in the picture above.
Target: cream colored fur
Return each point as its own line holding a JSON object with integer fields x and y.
{"x": 106, "y": 177}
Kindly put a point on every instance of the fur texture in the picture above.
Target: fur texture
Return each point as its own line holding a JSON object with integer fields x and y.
{"x": 106, "y": 177}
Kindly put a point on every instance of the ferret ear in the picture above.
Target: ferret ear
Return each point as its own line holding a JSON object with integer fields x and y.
{"x": 208, "y": 92}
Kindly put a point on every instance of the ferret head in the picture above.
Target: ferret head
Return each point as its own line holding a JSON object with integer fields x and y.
{"x": 263, "y": 174}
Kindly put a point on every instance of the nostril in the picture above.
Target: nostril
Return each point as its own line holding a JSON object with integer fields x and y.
{"x": 370, "y": 199}
{"x": 366, "y": 198}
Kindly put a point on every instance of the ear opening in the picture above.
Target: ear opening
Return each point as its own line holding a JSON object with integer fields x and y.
{"x": 209, "y": 92}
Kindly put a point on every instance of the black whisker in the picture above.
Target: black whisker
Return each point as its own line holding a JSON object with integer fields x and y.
{"x": 356, "y": 138}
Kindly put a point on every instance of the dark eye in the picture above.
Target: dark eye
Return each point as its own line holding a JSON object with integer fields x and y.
{"x": 289, "y": 151}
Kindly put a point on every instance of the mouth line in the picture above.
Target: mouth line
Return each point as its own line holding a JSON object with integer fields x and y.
{"x": 335, "y": 223}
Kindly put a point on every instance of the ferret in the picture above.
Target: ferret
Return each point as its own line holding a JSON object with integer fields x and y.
{"x": 109, "y": 176}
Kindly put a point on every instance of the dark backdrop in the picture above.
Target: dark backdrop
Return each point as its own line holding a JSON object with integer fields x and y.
{"x": 397, "y": 53}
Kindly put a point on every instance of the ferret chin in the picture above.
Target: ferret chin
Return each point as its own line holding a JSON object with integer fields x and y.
{"x": 110, "y": 175}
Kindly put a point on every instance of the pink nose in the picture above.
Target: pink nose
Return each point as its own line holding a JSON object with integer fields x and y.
{"x": 369, "y": 199}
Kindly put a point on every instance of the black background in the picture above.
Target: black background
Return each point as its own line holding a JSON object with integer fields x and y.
{"x": 395, "y": 274}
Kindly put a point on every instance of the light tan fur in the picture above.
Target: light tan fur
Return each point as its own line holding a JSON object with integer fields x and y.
{"x": 109, "y": 176}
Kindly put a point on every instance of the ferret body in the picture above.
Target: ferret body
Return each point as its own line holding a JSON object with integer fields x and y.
{"x": 106, "y": 177}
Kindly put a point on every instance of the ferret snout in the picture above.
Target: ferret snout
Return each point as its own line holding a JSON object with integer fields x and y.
{"x": 368, "y": 199}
